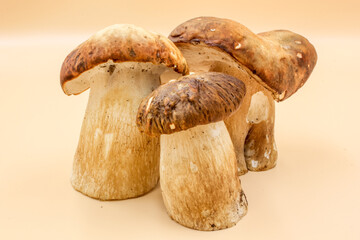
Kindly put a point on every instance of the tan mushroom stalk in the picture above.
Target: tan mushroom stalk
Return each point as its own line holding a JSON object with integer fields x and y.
{"x": 121, "y": 64}
{"x": 198, "y": 170}
{"x": 273, "y": 65}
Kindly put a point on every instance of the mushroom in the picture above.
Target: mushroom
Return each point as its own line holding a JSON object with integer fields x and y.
{"x": 198, "y": 170}
{"x": 273, "y": 65}
{"x": 121, "y": 64}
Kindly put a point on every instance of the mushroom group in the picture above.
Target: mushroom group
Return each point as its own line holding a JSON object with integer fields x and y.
{"x": 197, "y": 133}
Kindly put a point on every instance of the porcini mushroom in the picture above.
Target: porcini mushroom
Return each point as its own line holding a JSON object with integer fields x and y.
{"x": 121, "y": 64}
{"x": 273, "y": 65}
{"x": 198, "y": 170}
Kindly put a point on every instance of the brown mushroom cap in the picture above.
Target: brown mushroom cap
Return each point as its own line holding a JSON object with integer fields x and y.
{"x": 190, "y": 101}
{"x": 282, "y": 59}
{"x": 120, "y": 43}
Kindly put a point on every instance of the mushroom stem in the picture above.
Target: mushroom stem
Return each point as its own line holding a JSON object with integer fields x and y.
{"x": 198, "y": 177}
{"x": 113, "y": 159}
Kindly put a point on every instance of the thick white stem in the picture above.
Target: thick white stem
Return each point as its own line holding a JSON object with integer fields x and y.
{"x": 198, "y": 177}
{"x": 113, "y": 159}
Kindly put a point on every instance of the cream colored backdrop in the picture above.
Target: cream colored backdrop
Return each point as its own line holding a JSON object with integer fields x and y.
{"x": 313, "y": 193}
{"x": 306, "y": 16}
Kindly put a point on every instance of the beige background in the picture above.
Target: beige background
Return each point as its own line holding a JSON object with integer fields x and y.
{"x": 313, "y": 193}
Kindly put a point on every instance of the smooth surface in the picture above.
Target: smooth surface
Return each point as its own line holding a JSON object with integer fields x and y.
{"x": 313, "y": 193}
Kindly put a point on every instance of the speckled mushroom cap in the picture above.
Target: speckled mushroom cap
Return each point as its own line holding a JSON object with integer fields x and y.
{"x": 192, "y": 100}
{"x": 282, "y": 59}
{"x": 118, "y": 43}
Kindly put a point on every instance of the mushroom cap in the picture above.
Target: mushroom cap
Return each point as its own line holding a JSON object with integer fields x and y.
{"x": 192, "y": 100}
{"x": 283, "y": 60}
{"x": 118, "y": 43}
